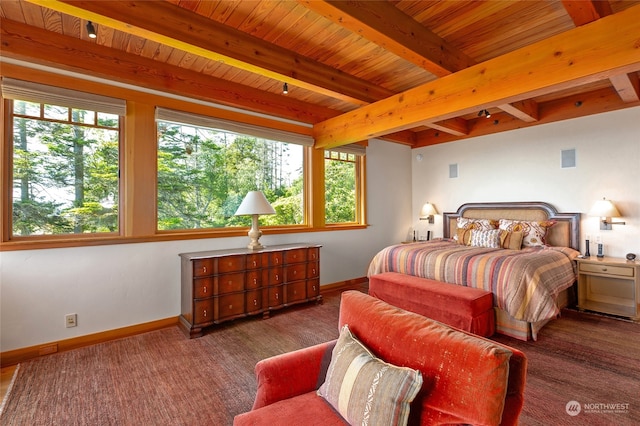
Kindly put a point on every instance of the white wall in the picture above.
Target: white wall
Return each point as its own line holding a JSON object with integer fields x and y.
{"x": 524, "y": 165}
{"x": 116, "y": 286}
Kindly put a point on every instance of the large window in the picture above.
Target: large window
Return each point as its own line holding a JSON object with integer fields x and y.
{"x": 65, "y": 160}
{"x": 204, "y": 173}
{"x": 342, "y": 174}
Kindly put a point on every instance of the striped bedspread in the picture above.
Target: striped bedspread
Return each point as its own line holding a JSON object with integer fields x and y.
{"x": 525, "y": 283}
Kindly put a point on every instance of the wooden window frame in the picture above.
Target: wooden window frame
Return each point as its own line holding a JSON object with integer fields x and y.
{"x": 138, "y": 171}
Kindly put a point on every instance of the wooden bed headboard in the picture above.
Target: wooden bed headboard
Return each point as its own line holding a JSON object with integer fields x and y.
{"x": 565, "y": 233}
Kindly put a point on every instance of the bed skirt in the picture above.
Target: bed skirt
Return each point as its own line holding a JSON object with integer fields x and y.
{"x": 523, "y": 330}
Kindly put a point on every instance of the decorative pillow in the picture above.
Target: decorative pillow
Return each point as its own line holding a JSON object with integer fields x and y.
{"x": 463, "y": 236}
{"x": 490, "y": 238}
{"x": 533, "y": 233}
{"x": 511, "y": 240}
{"x": 468, "y": 224}
{"x": 365, "y": 389}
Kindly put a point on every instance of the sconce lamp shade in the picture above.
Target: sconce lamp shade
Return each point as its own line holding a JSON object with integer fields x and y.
{"x": 254, "y": 204}
{"x": 427, "y": 212}
{"x": 605, "y": 209}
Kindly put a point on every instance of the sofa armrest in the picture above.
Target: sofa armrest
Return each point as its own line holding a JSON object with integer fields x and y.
{"x": 293, "y": 373}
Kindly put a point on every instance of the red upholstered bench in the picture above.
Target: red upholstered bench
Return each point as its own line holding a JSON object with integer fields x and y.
{"x": 466, "y": 308}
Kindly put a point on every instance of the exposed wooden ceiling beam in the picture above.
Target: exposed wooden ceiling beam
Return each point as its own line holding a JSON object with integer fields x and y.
{"x": 585, "y": 11}
{"x": 574, "y": 106}
{"x": 526, "y": 110}
{"x": 455, "y": 126}
{"x": 592, "y": 52}
{"x": 384, "y": 24}
{"x": 21, "y": 41}
{"x": 627, "y": 86}
{"x": 182, "y": 29}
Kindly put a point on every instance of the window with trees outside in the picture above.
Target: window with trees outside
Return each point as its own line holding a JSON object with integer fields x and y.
{"x": 65, "y": 160}
{"x": 205, "y": 170}
{"x": 343, "y": 185}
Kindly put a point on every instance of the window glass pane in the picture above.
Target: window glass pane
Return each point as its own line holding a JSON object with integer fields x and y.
{"x": 83, "y": 116}
{"x": 53, "y": 112}
{"x": 26, "y": 108}
{"x": 108, "y": 120}
{"x": 65, "y": 176}
{"x": 341, "y": 200}
{"x": 203, "y": 175}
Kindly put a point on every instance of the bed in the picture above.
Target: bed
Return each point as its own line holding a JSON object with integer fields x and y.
{"x": 531, "y": 281}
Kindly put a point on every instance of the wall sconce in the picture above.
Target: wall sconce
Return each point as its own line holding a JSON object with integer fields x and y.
{"x": 605, "y": 209}
{"x": 427, "y": 212}
{"x": 254, "y": 204}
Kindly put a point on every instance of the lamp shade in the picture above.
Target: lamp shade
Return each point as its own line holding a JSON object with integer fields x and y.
{"x": 254, "y": 203}
{"x": 604, "y": 208}
{"x": 428, "y": 210}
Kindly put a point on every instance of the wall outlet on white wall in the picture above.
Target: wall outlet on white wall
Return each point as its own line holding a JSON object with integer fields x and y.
{"x": 71, "y": 320}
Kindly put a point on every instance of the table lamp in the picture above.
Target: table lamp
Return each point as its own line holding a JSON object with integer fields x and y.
{"x": 254, "y": 204}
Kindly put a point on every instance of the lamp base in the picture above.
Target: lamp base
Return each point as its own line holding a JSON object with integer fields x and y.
{"x": 254, "y": 234}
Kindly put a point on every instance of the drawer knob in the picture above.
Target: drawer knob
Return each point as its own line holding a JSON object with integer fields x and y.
{"x": 295, "y": 272}
{"x": 204, "y": 313}
{"x": 204, "y": 289}
{"x": 276, "y": 261}
{"x": 255, "y": 281}
{"x": 314, "y": 271}
{"x": 255, "y": 302}
{"x": 204, "y": 269}
{"x": 254, "y": 263}
{"x": 230, "y": 282}
{"x": 277, "y": 277}
{"x": 277, "y": 295}
{"x": 230, "y": 307}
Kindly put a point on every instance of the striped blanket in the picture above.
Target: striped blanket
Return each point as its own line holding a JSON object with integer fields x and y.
{"x": 525, "y": 283}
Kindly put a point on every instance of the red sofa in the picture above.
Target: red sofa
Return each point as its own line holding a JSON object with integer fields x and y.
{"x": 466, "y": 379}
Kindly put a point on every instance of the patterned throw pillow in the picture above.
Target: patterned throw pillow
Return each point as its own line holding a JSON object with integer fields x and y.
{"x": 533, "y": 232}
{"x": 490, "y": 239}
{"x": 466, "y": 224}
{"x": 365, "y": 389}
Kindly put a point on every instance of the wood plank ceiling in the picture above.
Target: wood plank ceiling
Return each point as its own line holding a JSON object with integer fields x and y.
{"x": 409, "y": 71}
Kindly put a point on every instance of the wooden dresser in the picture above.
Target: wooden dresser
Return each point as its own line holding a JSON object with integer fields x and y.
{"x": 221, "y": 285}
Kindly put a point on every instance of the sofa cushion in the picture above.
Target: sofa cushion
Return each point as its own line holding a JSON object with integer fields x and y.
{"x": 365, "y": 389}
{"x": 307, "y": 409}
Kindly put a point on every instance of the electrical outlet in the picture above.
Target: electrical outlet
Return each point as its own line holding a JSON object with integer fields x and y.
{"x": 71, "y": 320}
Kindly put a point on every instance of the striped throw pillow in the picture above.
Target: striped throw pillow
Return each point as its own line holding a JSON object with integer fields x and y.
{"x": 366, "y": 390}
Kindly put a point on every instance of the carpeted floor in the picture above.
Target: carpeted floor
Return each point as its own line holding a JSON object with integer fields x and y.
{"x": 162, "y": 378}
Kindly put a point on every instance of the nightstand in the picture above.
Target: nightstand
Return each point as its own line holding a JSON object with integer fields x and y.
{"x": 609, "y": 285}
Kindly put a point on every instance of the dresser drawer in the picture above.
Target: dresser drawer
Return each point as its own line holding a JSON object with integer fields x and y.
{"x": 313, "y": 288}
{"x": 254, "y": 301}
{"x": 622, "y": 271}
{"x": 296, "y": 291}
{"x": 313, "y": 270}
{"x": 231, "y": 264}
{"x": 254, "y": 261}
{"x": 313, "y": 254}
{"x": 296, "y": 272}
{"x": 275, "y": 297}
{"x": 203, "y": 311}
{"x": 276, "y": 276}
{"x": 203, "y": 287}
{"x": 254, "y": 279}
{"x": 230, "y": 283}
{"x": 295, "y": 255}
{"x": 202, "y": 267}
{"x": 276, "y": 258}
{"x": 230, "y": 305}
